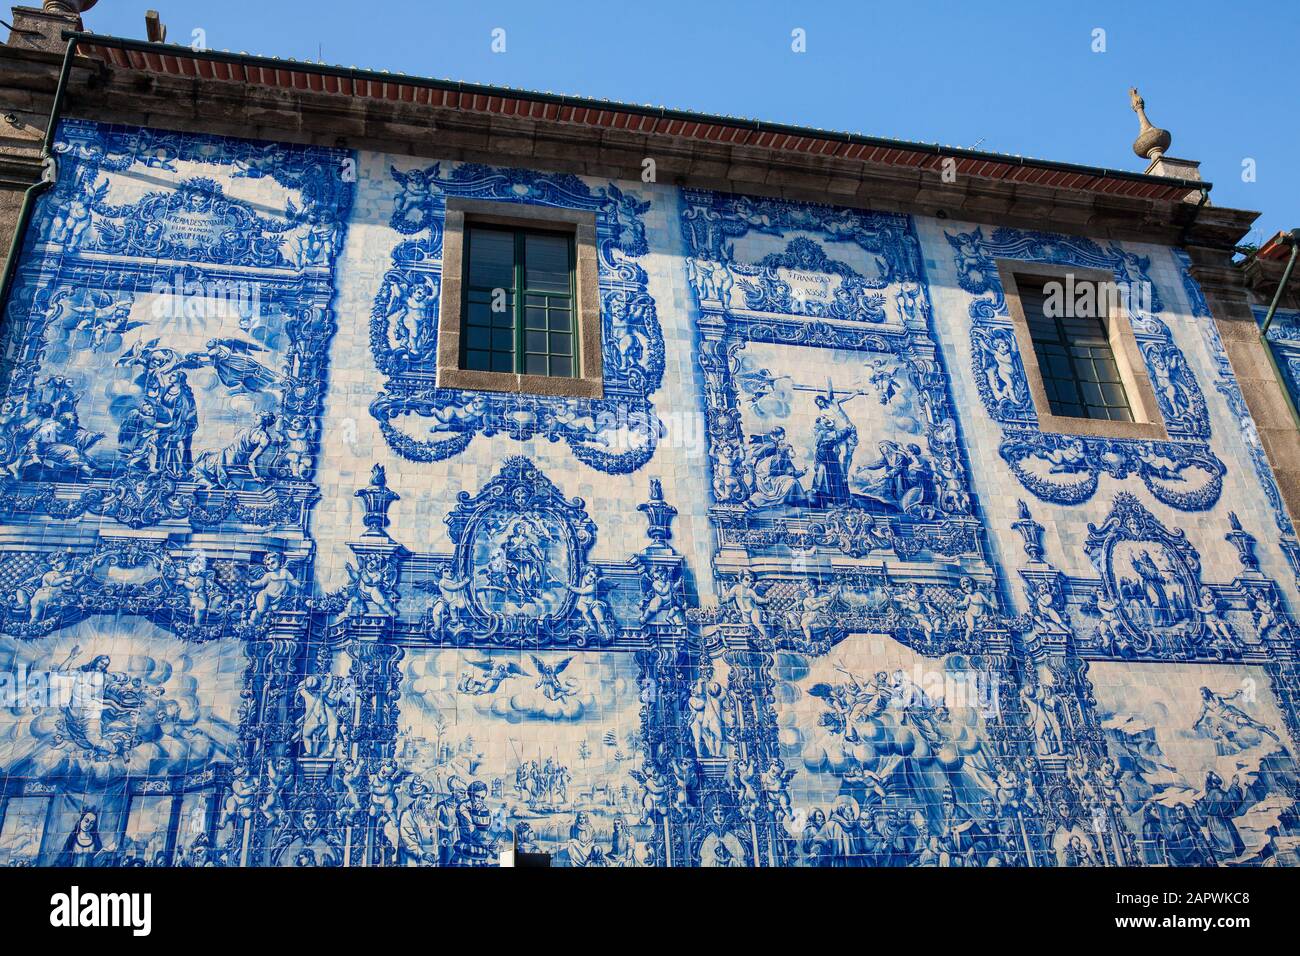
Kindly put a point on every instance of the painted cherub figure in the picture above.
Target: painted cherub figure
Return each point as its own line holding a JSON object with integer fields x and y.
{"x": 1045, "y": 612}
{"x": 661, "y": 598}
{"x": 776, "y": 781}
{"x": 271, "y": 587}
{"x": 748, "y": 602}
{"x": 239, "y": 802}
{"x": 593, "y": 609}
{"x": 373, "y": 582}
{"x": 195, "y": 580}
{"x": 976, "y": 607}
{"x": 1215, "y": 626}
{"x": 451, "y": 603}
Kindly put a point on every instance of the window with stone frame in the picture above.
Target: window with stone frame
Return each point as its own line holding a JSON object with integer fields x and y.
{"x": 520, "y": 308}
{"x": 1085, "y": 371}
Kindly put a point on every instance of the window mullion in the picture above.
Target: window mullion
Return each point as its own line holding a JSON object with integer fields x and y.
{"x": 575, "y": 352}
{"x": 520, "y": 246}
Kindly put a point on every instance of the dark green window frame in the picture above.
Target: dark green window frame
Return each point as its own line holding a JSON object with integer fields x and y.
{"x": 537, "y": 331}
{"x": 1075, "y": 359}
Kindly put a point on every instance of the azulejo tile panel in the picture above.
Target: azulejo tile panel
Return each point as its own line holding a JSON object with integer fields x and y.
{"x": 806, "y": 587}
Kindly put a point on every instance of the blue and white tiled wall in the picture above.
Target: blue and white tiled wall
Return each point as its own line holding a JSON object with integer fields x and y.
{"x": 806, "y": 586}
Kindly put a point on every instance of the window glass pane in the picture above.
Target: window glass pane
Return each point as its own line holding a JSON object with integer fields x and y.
{"x": 546, "y": 260}
{"x": 546, "y": 310}
{"x": 491, "y": 258}
{"x": 1058, "y": 366}
{"x": 1114, "y": 395}
{"x": 1080, "y": 376}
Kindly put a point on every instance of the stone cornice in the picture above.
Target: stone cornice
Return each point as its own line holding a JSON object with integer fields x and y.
{"x": 114, "y": 94}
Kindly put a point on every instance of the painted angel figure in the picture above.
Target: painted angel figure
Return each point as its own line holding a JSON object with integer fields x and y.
{"x": 70, "y": 225}
{"x": 629, "y": 316}
{"x": 552, "y": 686}
{"x": 1041, "y": 704}
{"x": 317, "y": 245}
{"x": 48, "y": 589}
{"x": 1044, "y": 611}
{"x": 809, "y": 608}
{"x": 1230, "y": 727}
{"x": 998, "y": 361}
{"x": 102, "y": 319}
{"x": 374, "y": 582}
{"x": 238, "y": 804}
{"x": 453, "y": 418}
{"x": 491, "y": 675}
{"x": 271, "y": 587}
{"x": 261, "y": 163}
{"x": 593, "y": 609}
{"x": 412, "y": 310}
{"x": 975, "y": 606}
{"x": 1264, "y": 610}
{"x": 912, "y": 602}
{"x": 238, "y": 371}
{"x": 1169, "y": 378}
{"x": 776, "y": 782}
{"x": 880, "y": 375}
{"x": 451, "y": 604}
{"x": 707, "y": 702}
{"x": 748, "y": 602}
{"x": 195, "y": 579}
{"x": 1208, "y": 608}
{"x": 279, "y": 774}
{"x": 418, "y": 187}
{"x": 1110, "y": 627}
{"x": 757, "y": 383}
{"x": 661, "y": 597}
{"x": 655, "y": 787}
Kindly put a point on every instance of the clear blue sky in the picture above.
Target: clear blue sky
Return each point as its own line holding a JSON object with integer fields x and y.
{"x": 1014, "y": 77}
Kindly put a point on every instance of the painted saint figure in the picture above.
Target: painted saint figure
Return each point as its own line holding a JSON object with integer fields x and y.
{"x": 775, "y": 478}
{"x": 834, "y": 444}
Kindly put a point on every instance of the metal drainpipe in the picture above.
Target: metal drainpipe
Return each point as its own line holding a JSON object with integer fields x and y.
{"x": 1268, "y": 321}
{"x": 49, "y": 176}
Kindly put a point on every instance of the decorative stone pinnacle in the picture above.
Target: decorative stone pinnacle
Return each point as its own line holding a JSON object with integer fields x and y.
{"x": 1152, "y": 141}
{"x": 70, "y": 8}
